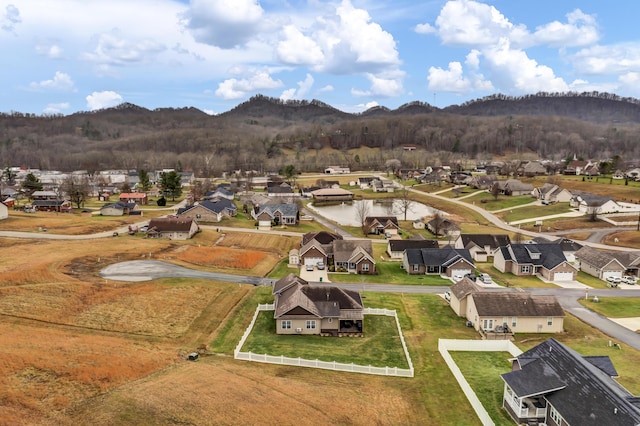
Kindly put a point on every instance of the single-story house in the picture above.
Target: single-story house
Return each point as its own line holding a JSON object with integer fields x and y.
{"x": 331, "y": 195}
{"x": 447, "y": 261}
{"x": 317, "y": 247}
{"x": 336, "y": 170}
{"x": 481, "y": 246}
{"x": 365, "y": 181}
{"x": 60, "y": 206}
{"x": 534, "y": 168}
{"x": 590, "y": 203}
{"x": 354, "y": 256}
{"x": 119, "y": 208}
{"x": 606, "y": 264}
{"x": 220, "y": 192}
{"x": 554, "y": 385}
{"x": 397, "y": 246}
{"x": 552, "y": 193}
{"x": 532, "y": 259}
{"x": 512, "y": 187}
{"x": 482, "y": 181}
{"x": 301, "y": 308}
{"x": 276, "y": 214}
{"x": 443, "y": 227}
{"x": 381, "y": 225}
{"x": 569, "y": 247}
{"x": 172, "y": 228}
{"x": 139, "y": 198}
{"x": 210, "y": 211}
{"x": 280, "y": 189}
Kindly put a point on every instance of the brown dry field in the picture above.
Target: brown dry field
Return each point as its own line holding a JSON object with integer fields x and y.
{"x": 624, "y": 239}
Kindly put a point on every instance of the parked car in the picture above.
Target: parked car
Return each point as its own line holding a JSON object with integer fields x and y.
{"x": 309, "y": 267}
{"x": 485, "y": 278}
{"x": 457, "y": 277}
{"x": 614, "y": 281}
{"x": 320, "y": 265}
{"x": 447, "y": 296}
{"x": 629, "y": 279}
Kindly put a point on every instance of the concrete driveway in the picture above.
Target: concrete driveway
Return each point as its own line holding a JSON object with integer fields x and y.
{"x": 317, "y": 275}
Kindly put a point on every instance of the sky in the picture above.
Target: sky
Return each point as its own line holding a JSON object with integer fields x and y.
{"x": 64, "y": 56}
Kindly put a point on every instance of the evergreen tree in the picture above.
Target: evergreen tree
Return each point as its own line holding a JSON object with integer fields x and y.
{"x": 171, "y": 184}
{"x": 31, "y": 184}
{"x": 145, "y": 183}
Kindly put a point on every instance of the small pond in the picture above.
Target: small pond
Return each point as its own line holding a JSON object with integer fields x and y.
{"x": 347, "y": 214}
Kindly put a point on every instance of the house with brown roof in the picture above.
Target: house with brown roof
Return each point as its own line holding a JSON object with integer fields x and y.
{"x": 607, "y": 264}
{"x": 512, "y": 187}
{"x": 172, "y": 228}
{"x": 324, "y": 310}
{"x": 134, "y": 197}
{"x": 381, "y": 225}
{"x": 495, "y": 312}
{"x": 552, "y": 193}
{"x": 353, "y": 255}
{"x": 443, "y": 227}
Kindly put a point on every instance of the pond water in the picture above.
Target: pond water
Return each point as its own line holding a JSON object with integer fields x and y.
{"x": 347, "y": 214}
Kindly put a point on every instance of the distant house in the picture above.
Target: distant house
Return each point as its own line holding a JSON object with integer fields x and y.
{"x": 336, "y": 170}
{"x": 220, "y": 192}
{"x": 482, "y": 181}
{"x": 365, "y": 182}
{"x": 481, "y": 246}
{"x": 575, "y": 167}
{"x": 279, "y": 189}
{"x": 506, "y": 311}
{"x": 590, "y": 203}
{"x": 552, "y": 193}
{"x": 59, "y": 206}
{"x": 328, "y": 195}
{"x": 443, "y": 227}
{"x": 4, "y": 211}
{"x": 45, "y": 195}
{"x": 139, "y": 198}
{"x": 172, "y": 228}
{"x": 324, "y": 310}
{"x": 117, "y": 209}
{"x": 447, "y": 261}
{"x": 554, "y": 385}
{"x": 512, "y": 187}
{"x": 381, "y": 225}
{"x": 534, "y": 168}
{"x": 419, "y": 223}
{"x": 276, "y": 215}
{"x": 210, "y": 211}
{"x": 397, "y": 246}
{"x": 548, "y": 260}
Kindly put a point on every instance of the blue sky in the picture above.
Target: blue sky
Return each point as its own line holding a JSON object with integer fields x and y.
{"x": 63, "y": 56}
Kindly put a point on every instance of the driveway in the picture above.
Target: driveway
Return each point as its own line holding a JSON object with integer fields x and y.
{"x": 315, "y": 276}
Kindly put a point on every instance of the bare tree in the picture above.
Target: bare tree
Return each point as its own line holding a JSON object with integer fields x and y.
{"x": 77, "y": 188}
{"x": 404, "y": 203}
{"x": 362, "y": 212}
{"x": 495, "y": 190}
{"x": 393, "y": 166}
{"x": 592, "y": 212}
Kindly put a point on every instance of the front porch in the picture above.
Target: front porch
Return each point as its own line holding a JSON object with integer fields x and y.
{"x": 347, "y": 328}
{"x": 528, "y": 410}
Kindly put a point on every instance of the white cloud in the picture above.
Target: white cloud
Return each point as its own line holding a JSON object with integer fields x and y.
{"x": 449, "y": 80}
{"x": 614, "y": 59}
{"x": 100, "y": 100}
{"x": 298, "y": 49}
{"x": 56, "y": 108}
{"x": 113, "y": 49}
{"x": 239, "y": 88}
{"x": 425, "y": 29}
{"x": 10, "y": 18}
{"x": 327, "y": 88}
{"x": 60, "y": 82}
{"x": 224, "y": 23}
{"x": 580, "y": 30}
{"x": 303, "y": 88}
{"x": 49, "y": 49}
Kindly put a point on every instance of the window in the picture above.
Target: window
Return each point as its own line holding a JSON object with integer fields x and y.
{"x": 525, "y": 269}
{"x": 365, "y": 267}
{"x": 549, "y": 321}
{"x": 311, "y": 324}
{"x": 330, "y": 320}
{"x": 514, "y": 321}
{"x": 286, "y": 324}
{"x": 416, "y": 267}
{"x": 554, "y": 415}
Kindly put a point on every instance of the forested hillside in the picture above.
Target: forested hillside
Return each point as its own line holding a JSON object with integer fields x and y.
{"x": 266, "y": 133}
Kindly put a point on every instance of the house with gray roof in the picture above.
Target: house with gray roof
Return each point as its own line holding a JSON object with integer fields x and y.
{"x": 552, "y": 193}
{"x": 512, "y": 187}
{"x": 481, "y": 246}
{"x": 118, "y": 208}
{"x": 447, "y": 261}
{"x": 546, "y": 260}
{"x": 354, "y": 256}
{"x": 553, "y": 384}
{"x": 209, "y": 210}
{"x": 269, "y": 215}
{"x": 173, "y": 228}
{"x": 591, "y": 203}
{"x": 607, "y": 264}
{"x": 324, "y": 310}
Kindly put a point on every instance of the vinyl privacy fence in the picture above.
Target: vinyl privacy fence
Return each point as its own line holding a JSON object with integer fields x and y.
{"x": 327, "y": 365}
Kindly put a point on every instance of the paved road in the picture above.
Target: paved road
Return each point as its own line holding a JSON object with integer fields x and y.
{"x": 144, "y": 270}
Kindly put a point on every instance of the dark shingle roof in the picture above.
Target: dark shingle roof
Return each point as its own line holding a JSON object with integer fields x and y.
{"x": 547, "y": 255}
{"x": 581, "y": 392}
{"x": 217, "y": 206}
{"x": 437, "y": 256}
{"x": 402, "y": 245}
{"x": 323, "y": 237}
{"x": 483, "y": 240}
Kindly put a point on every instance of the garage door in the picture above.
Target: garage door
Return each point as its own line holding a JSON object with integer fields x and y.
{"x": 563, "y": 276}
{"x": 312, "y": 260}
{"x": 461, "y": 272}
{"x": 612, "y": 274}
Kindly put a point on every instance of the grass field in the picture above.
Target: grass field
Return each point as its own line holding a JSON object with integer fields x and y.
{"x": 614, "y": 307}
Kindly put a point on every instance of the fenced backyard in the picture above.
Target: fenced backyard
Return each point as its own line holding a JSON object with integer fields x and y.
{"x": 327, "y": 365}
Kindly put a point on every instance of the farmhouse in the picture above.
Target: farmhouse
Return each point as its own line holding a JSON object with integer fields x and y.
{"x": 301, "y": 308}
{"x": 553, "y": 384}
{"x": 172, "y": 228}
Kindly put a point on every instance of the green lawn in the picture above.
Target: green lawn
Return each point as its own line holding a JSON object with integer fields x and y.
{"x": 590, "y": 280}
{"x": 380, "y": 346}
{"x": 482, "y": 371}
{"x": 535, "y": 211}
{"x": 614, "y": 307}
{"x": 502, "y": 202}
{"x": 390, "y": 273}
{"x": 510, "y": 280}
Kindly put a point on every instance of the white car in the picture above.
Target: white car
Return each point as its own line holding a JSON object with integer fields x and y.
{"x": 457, "y": 277}
{"x": 629, "y": 279}
{"x": 485, "y": 278}
{"x": 447, "y": 296}
{"x": 309, "y": 267}
{"x": 614, "y": 281}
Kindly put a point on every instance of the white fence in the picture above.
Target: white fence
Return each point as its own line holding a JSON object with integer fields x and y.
{"x": 327, "y": 365}
{"x": 447, "y": 345}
